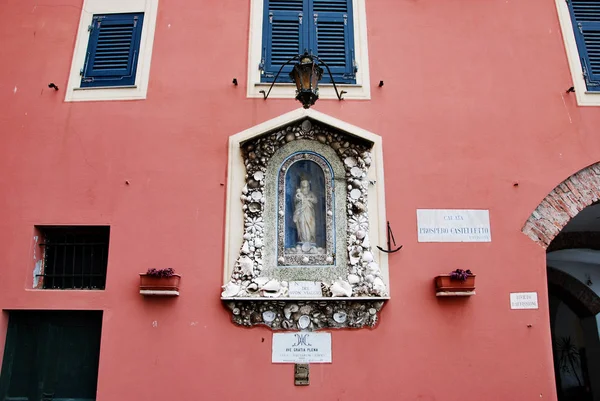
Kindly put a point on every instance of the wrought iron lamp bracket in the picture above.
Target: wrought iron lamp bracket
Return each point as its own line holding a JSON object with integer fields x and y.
{"x": 339, "y": 94}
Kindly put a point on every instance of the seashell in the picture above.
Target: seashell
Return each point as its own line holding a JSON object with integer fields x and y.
{"x": 247, "y": 236}
{"x": 281, "y": 213}
{"x": 246, "y": 248}
{"x": 271, "y": 286}
{"x": 260, "y": 281}
{"x": 372, "y": 311}
{"x": 258, "y": 243}
{"x": 354, "y": 194}
{"x": 366, "y": 242}
{"x": 259, "y": 175}
{"x": 290, "y": 137}
{"x": 367, "y": 257}
{"x": 257, "y": 195}
{"x": 336, "y": 145}
{"x": 306, "y": 125}
{"x": 341, "y": 288}
{"x": 268, "y": 316}
{"x": 286, "y": 324}
{"x": 246, "y": 265}
{"x": 373, "y": 268}
{"x": 367, "y": 160}
{"x": 329, "y": 213}
{"x": 236, "y": 311}
{"x": 303, "y": 321}
{"x": 321, "y": 138}
{"x": 340, "y": 317}
{"x": 356, "y": 172}
{"x": 370, "y": 278}
{"x": 360, "y": 234}
{"x": 281, "y": 259}
{"x": 289, "y": 309}
{"x": 379, "y": 286}
{"x": 254, "y": 207}
{"x": 252, "y": 184}
{"x": 305, "y": 259}
{"x": 230, "y": 290}
{"x": 353, "y": 279}
{"x": 350, "y": 161}
{"x": 305, "y": 309}
{"x": 245, "y": 189}
{"x": 354, "y": 257}
{"x": 329, "y": 259}
{"x": 252, "y": 287}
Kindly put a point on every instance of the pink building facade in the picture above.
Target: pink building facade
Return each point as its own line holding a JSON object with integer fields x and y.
{"x": 474, "y": 114}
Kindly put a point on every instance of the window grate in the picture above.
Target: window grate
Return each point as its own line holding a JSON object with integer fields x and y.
{"x": 74, "y": 257}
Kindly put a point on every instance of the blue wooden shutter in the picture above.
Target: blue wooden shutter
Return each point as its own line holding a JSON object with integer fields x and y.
{"x": 332, "y": 38}
{"x": 585, "y": 16}
{"x": 113, "y": 50}
{"x": 283, "y": 37}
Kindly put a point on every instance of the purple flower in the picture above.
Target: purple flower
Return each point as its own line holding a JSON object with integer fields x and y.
{"x": 460, "y": 274}
{"x": 168, "y": 272}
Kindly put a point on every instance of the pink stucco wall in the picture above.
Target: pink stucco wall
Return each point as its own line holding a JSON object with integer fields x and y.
{"x": 474, "y": 101}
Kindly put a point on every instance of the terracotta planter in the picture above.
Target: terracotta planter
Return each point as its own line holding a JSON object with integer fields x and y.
{"x": 445, "y": 286}
{"x": 151, "y": 285}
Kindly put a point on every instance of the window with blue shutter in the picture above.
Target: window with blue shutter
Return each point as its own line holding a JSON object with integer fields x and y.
{"x": 113, "y": 50}
{"x": 321, "y": 27}
{"x": 585, "y": 15}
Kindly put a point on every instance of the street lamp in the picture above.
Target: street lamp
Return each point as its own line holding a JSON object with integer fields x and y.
{"x": 306, "y": 74}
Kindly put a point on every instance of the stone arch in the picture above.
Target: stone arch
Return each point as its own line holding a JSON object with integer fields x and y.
{"x": 562, "y": 204}
{"x": 579, "y": 297}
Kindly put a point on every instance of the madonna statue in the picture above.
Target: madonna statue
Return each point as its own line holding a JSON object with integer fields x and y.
{"x": 304, "y": 215}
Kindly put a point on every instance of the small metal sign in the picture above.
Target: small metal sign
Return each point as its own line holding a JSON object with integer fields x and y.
{"x": 302, "y": 347}
{"x": 301, "y": 372}
{"x": 524, "y": 300}
{"x": 304, "y": 289}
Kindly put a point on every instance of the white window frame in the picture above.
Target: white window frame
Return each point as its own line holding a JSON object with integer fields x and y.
{"x": 139, "y": 90}
{"x": 584, "y": 97}
{"x": 360, "y": 90}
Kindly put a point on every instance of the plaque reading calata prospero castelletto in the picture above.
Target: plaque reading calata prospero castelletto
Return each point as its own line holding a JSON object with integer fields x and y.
{"x": 450, "y": 225}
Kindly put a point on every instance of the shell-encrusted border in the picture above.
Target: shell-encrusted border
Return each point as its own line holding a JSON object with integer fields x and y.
{"x": 354, "y": 272}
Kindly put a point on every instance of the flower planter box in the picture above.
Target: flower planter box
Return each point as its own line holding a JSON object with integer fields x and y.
{"x": 161, "y": 286}
{"x": 447, "y": 287}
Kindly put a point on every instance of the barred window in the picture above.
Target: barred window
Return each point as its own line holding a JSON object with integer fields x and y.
{"x": 74, "y": 257}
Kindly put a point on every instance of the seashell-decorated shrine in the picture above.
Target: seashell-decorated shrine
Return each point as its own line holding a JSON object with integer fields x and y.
{"x": 305, "y": 203}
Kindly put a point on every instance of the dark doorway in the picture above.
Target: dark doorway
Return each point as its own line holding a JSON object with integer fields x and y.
{"x": 51, "y": 355}
{"x": 573, "y": 271}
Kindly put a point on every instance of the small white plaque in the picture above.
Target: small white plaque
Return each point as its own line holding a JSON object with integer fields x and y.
{"x": 523, "y": 300}
{"x": 448, "y": 225}
{"x": 304, "y": 289}
{"x": 302, "y": 347}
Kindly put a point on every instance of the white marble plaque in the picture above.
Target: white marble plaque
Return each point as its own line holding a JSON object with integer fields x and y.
{"x": 524, "y": 300}
{"x": 302, "y": 347}
{"x": 448, "y": 225}
{"x": 304, "y": 289}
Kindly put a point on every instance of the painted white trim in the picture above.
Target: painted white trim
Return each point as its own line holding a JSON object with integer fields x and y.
{"x": 584, "y": 98}
{"x": 362, "y": 88}
{"x": 161, "y": 293}
{"x": 236, "y": 175}
{"x": 139, "y": 90}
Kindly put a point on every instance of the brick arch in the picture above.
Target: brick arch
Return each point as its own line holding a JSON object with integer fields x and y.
{"x": 562, "y": 204}
{"x": 579, "y": 297}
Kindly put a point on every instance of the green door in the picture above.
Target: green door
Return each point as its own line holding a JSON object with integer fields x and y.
{"x": 51, "y": 355}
